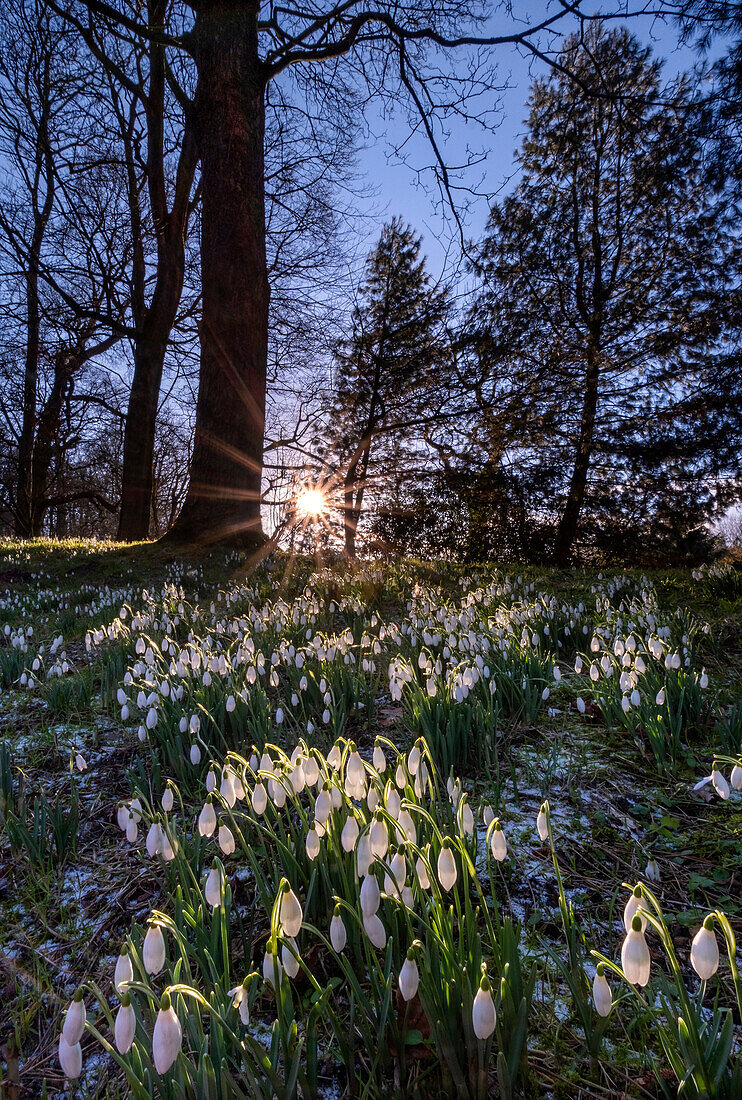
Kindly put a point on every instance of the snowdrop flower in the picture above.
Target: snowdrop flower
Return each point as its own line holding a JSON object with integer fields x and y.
{"x": 226, "y": 840}
{"x": 447, "y": 872}
{"x": 409, "y": 977}
{"x": 542, "y": 824}
{"x": 240, "y": 1001}
{"x": 484, "y": 1016}
{"x": 660, "y": 697}
{"x": 167, "y": 799}
{"x": 338, "y": 935}
{"x": 498, "y": 844}
{"x": 580, "y": 704}
{"x": 131, "y": 830}
{"x": 467, "y": 817}
{"x": 334, "y": 756}
{"x": 231, "y": 704}
{"x": 289, "y": 957}
{"x": 74, "y": 1020}
{"x": 323, "y": 806}
{"x": 226, "y": 789}
{"x": 80, "y": 762}
{"x": 634, "y": 907}
{"x": 290, "y": 914}
{"x": 271, "y": 966}
{"x": 259, "y": 799}
{"x": 349, "y": 835}
{"x": 70, "y": 1059}
{"x": 370, "y": 895}
{"x": 155, "y": 837}
{"x": 167, "y": 1036}
{"x": 195, "y": 754}
{"x": 400, "y": 777}
{"x": 720, "y": 784}
{"x": 379, "y": 760}
{"x": 379, "y": 837}
{"x": 211, "y": 781}
{"x": 375, "y": 931}
{"x": 413, "y": 760}
{"x": 635, "y": 959}
{"x": 312, "y": 844}
{"x": 311, "y": 771}
{"x": 364, "y": 855}
{"x": 213, "y": 888}
{"x": 207, "y": 818}
{"x": 125, "y": 1027}
{"x": 153, "y": 950}
{"x": 123, "y": 971}
{"x": 652, "y": 870}
{"x": 704, "y": 950}
{"x": 602, "y": 997}
{"x": 736, "y": 777}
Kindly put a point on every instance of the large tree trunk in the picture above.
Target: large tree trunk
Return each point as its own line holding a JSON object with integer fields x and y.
{"x": 139, "y": 435}
{"x": 47, "y": 435}
{"x": 568, "y": 525}
{"x": 223, "y": 499}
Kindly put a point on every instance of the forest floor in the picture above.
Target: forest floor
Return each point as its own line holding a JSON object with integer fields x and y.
{"x": 72, "y": 888}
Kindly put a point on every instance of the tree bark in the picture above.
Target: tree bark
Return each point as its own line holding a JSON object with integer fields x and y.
{"x": 224, "y": 493}
{"x": 47, "y": 434}
{"x": 568, "y": 524}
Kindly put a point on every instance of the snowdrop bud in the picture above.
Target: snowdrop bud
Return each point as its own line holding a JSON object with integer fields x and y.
{"x": 289, "y": 958}
{"x": 167, "y": 1036}
{"x": 131, "y": 830}
{"x": 124, "y": 971}
{"x": 167, "y": 799}
{"x": 488, "y": 815}
{"x": 660, "y": 697}
{"x": 483, "y": 1013}
{"x": 311, "y": 771}
{"x": 704, "y": 951}
{"x": 231, "y": 704}
{"x": 422, "y": 874}
{"x": 80, "y": 762}
{"x": 413, "y": 760}
{"x": 122, "y": 816}
{"x": 349, "y": 835}
{"x": 323, "y": 806}
{"x": 467, "y": 817}
{"x": 498, "y": 844}
{"x": 375, "y": 931}
{"x": 364, "y": 855}
{"x": 409, "y": 977}
{"x": 635, "y": 958}
{"x": 153, "y": 950}
{"x": 400, "y": 777}
{"x": 447, "y": 872}
{"x": 154, "y": 840}
{"x": 379, "y": 760}
{"x": 720, "y": 784}
{"x": 195, "y": 754}
{"x": 183, "y": 724}
{"x": 602, "y": 997}
{"x": 334, "y": 756}
{"x": 259, "y": 799}
{"x": 70, "y": 1059}
{"x": 338, "y": 935}
{"x": 271, "y": 967}
{"x": 393, "y": 802}
{"x": 290, "y": 914}
{"x": 74, "y": 1020}
{"x": 226, "y": 840}
{"x": 736, "y": 777}
{"x": 125, "y": 1026}
{"x": 226, "y": 788}
{"x": 704, "y": 681}
{"x": 370, "y": 895}
{"x": 542, "y": 825}
{"x": 312, "y": 844}
{"x": 580, "y": 704}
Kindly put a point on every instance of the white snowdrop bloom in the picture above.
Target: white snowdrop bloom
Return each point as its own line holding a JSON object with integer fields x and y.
{"x": 542, "y": 825}
{"x": 406, "y": 824}
{"x": 364, "y": 855}
{"x": 338, "y": 934}
{"x": 634, "y": 907}
{"x": 311, "y": 771}
{"x": 498, "y": 844}
{"x": 640, "y": 665}
{"x": 484, "y": 1016}
{"x": 289, "y": 957}
{"x": 375, "y": 931}
{"x": 125, "y": 1026}
{"x": 409, "y": 978}
{"x": 73, "y": 1028}
{"x": 635, "y": 698}
{"x": 213, "y": 888}
{"x": 334, "y": 757}
{"x": 393, "y": 802}
{"x": 70, "y": 1059}
{"x": 488, "y": 815}
{"x": 323, "y": 806}
{"x": 226, "y": 840}
{"x": 580, "y": 704}
{"x": 80, "y": 762}
{"x": 720, "y": 784}
{"x": 395, "y": 882}
{"x": 153, "y": 950}
{"x": 635, "y": 958}
{"x": 272, "y": 969}
{"x": 151, "y": 720}
{"x": 123, "y": 971}
{"x": 259, "y": 799}
{"x": 312, "y": 844}
{"x": 131, "y": 830}
{"x": 466, "y": 817}
{"x": 400, "y": 778}
{"x": 195, "y": 754}
{"x": 231, "y": 703}
{"x": 183, "y": 725}
{"x": 413, "y": 760}
{"x": 736, "y": 777}
{"x": 167, "y": 1036}
{"x": 602, "y": 996}
{"x": 704, "y": 951}
{"x": 241, "y": 1003}
{"x": 167, "y": 799}
{"x": 373, "y": 801}
{"x": 290, "y": 913}
{"x": 652, "y": 870}
{"x": 154, "y": 841}
{"x": 226, "y": 788}
{"x": 207, "y": 819}
{"x": 660, "y": 698}
{"x": 704, "y": 681}
{"x": 379, "y": 837}
{"x": 370, "y": 895}
{"x": 625, "y": 704}
{"x": 279, "y": 716}
{"x": 349, "y": 835}
{"x": 578, "y": 664}
{"x": 447, "y": 872}
{"x": 594, "y": 672}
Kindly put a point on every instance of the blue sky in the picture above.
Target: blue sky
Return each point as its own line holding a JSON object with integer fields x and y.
{"x": 393, "y": 183}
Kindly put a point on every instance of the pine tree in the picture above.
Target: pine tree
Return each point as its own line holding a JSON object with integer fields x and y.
{"x": 605, "y": 274}
{"x": 383, "y": 368}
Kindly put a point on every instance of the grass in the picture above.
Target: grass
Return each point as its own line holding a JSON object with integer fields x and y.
{"x": 62, "y": 920}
